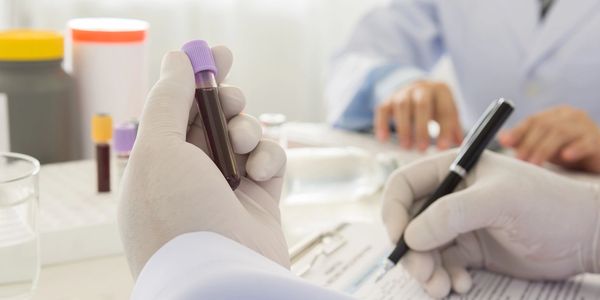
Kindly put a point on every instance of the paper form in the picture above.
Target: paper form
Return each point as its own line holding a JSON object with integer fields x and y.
{"x": 397, "y": 284}
{"x": 492, "y": 286}
{"x": 354, "y": 267}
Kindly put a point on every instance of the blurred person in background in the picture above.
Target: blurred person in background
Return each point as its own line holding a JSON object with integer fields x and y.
{"x": 542, "y": 54}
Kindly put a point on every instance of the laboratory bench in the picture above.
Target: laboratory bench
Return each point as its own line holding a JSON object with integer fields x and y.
{"x": 81, "y": 251}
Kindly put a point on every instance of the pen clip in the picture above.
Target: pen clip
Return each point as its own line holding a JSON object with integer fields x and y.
{"x": 480, "y": 124}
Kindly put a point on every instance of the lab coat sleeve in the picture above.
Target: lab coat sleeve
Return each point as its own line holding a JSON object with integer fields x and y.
{"x": 391, "y": 46}
{"x": 205, "y": 265}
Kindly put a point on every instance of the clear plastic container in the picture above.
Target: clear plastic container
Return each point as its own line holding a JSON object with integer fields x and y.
{"x": 19, "y": 237}
{"x": 273, "y": 127}
{"x": 321, "y": 175}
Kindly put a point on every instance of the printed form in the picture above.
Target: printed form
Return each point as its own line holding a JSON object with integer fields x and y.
{"x": 397, "y": 284}
{"x": 350, "y": 259}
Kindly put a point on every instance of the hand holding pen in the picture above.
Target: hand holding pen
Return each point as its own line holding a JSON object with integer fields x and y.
{"x": 472, "y": 148}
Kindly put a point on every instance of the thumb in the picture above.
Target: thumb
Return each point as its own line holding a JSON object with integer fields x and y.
{"x": 407, "y": 185}
{"x": 167, "y": 108}
{"x": 451, "y": 215}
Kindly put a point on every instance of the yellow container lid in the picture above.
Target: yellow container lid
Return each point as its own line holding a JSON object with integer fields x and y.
{"x": 102, "y": 128}
{"x": 30, "y": 45}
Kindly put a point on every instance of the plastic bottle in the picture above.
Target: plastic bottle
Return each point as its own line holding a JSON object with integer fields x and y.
{"x": 110, "y": 68}
{"x": 334, "y": 174}
{"x": 38, "y": 95}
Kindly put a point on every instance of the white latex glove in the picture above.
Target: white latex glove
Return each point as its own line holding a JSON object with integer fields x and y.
{"x": 171, "y": 186}
{"x": 507, "y": 216}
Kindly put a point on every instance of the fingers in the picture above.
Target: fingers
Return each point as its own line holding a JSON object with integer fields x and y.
{"x": 244, "y": 132}
{"x": 456, "y": 263}
{"x": 550, "y": 146}
{"x": 422, "y": 112}
{"x": 527, "y": 144}
{"x": 232, "y": 101}
{"x": 513, "y": 137}
{"x": 381, "y": 122}
{"x": 223, "y": 59}
{"x": 411, "y": 110}
{"x": 438, "y": 286}
{"x": 427, "y": 269}
{"x": 412, "y": 182}
{"x": 266, "y": 161}
{"x": 420, "y": 265}
{"x": 266, "y": 166}
{"x": 401, "y": 111}
{"x": 552, "y": 135}
{"x": 168, "y": 104}
{"x": 446, "y": 114}
{"x": 579, "y": 149}
{"x": 457, "y": 213}
{"x": 537, "y": 139}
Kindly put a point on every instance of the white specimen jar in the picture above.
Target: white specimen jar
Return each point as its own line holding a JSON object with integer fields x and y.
{"x": 109, "y": 63}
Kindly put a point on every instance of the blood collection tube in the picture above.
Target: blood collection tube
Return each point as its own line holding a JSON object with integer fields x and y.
{"x": 101, "y": 135}
{"x": 124, "y": 136}
{"x": 211, "y": 112}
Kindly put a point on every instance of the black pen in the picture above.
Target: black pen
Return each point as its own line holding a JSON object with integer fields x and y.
{"x": 471, "y": 149}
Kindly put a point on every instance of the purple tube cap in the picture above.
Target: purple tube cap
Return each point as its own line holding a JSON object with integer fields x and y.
{"x": 124, "y": 137}
{"x": 200, "y": 55}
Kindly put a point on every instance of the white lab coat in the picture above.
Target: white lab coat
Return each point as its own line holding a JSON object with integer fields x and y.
{"x": 499, "y": 48}
{"x": 205, "y": 265}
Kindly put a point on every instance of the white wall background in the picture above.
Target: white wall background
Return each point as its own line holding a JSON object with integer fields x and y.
{"x": 5, "y": 13}
{"x": 281, "y": 47}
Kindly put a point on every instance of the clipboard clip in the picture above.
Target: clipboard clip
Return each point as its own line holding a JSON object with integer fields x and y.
{"x": 315, "y": 248}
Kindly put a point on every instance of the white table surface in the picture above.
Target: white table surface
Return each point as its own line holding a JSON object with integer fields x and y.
{"x": 108, "y": 278}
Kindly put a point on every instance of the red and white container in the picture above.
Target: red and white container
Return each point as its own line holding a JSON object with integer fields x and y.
{"x": 110, "y": 67}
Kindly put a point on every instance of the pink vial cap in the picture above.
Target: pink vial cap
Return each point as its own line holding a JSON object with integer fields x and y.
{"x": 200, "y": 55}
{"x": 124, "y": 137}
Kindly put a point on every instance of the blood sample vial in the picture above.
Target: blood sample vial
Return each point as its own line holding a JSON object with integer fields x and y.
{"x": 211, "y": 112}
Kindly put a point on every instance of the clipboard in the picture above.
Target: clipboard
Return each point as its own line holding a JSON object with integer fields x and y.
{"x": 348, "y": 256}
{"x": 341, "y": 257}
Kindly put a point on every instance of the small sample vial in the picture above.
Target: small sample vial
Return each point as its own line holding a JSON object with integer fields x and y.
{"x": 124, "y": 138}
{"x": 211, "y": 112}
{"x": 101, "y": 135}
{"x": 272, "y": 125}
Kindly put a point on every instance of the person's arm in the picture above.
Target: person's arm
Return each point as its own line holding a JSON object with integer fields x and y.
{"x": 205, "y": 265}
{"x": 391, "y": 46}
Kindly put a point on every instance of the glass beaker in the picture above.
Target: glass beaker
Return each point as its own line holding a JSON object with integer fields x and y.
{"x": 19, "y": 245}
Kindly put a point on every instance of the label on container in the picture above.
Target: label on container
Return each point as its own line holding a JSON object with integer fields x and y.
{"x": 4, "y": 132}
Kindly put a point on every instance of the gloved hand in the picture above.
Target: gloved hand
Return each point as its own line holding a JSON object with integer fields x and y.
{"x": 171, "y": 186}
{"x": 508, "y": 217}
